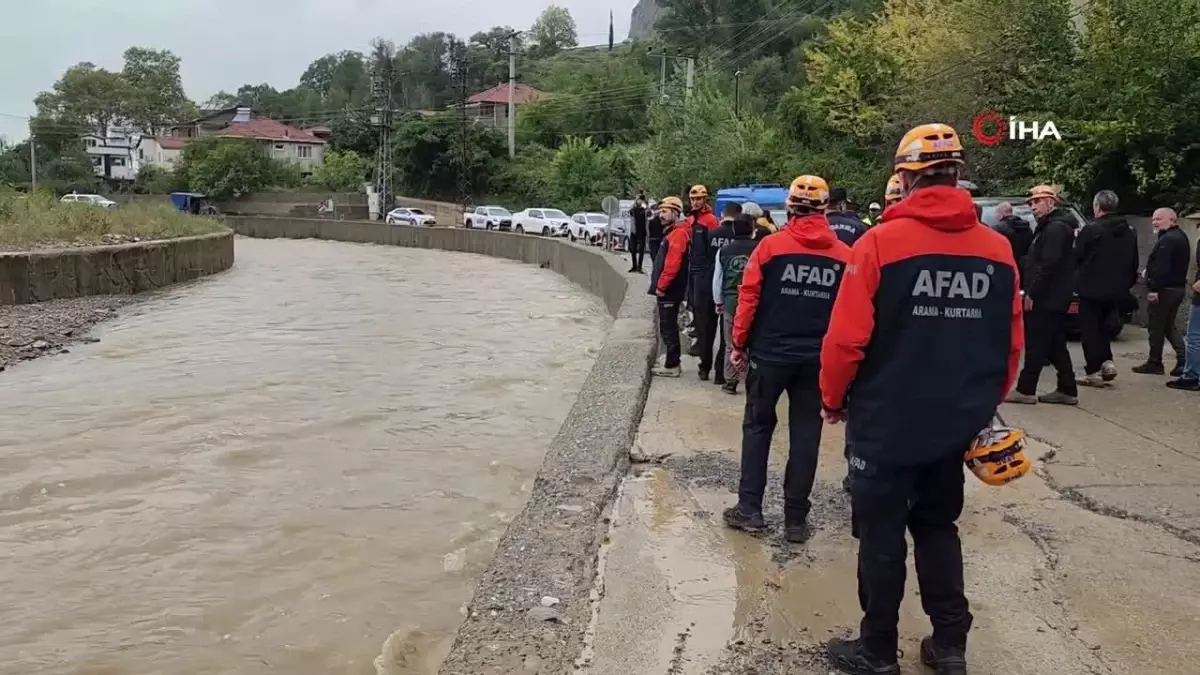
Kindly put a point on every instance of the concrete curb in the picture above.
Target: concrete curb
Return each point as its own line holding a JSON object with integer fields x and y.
{"x": 550, "y": 549}
{"x": 54, "y": 274}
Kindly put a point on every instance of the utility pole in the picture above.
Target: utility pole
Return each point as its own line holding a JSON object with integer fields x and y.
{"x": 662, "y": 79}
{"x": 458, "y": 65}
{"x": 32, "y": 160}
{"x": 512, "y": 94}
{"x": 382, "y": 86}
{"x": 662, "y": 76}
{"x": 737, "y": 94}
{"x": 691, "y": 77}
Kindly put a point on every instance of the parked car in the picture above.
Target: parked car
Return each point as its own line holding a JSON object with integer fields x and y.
{"x": 546, "y": 222}
{"x": 488, "y": 218}
{"x": 410, "y": 216}
{"x": 91, "y": 200}
{"x": 590, "y": 227}
{"x": 1022, "y": 210}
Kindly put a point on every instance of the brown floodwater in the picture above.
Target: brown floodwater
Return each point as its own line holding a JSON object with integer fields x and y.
{"x": 299, "y": 466}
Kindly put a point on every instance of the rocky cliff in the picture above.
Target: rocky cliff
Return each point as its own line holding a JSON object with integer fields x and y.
{"x": 645, "y": 14}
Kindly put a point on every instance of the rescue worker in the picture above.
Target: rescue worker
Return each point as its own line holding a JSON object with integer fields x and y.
{"x": 700, "y": 224}
{"x": 768, "y": 222}
{"x": 892, "y": 194}
{"x": 727, "y": 276}
{"x": 762, "y": 226}
{"x": 668, "y": 282}
{"x": 783, "y": 307}
{"x": 926, "y": 335}
{"x": 718, "y": 238}
{"x": 873, "y": 213}
{"x": 845, "y": 223}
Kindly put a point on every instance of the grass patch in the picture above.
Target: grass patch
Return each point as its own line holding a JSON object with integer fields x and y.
{"x": 40, "y": 221}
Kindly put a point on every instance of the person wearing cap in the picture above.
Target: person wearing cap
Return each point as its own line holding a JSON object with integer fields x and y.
{"x": 783, "y": 304}
{"x": 669, "y": 281}
{"x": 762, "y": 226}
{"x": 924, "y": 341}
{"x": 727, "y": 277}
{"x": 1049, "y": 273}
{"x": 846, "y": 224}
{"x": 892, "y": 193}
{"x": 873, "y": 213}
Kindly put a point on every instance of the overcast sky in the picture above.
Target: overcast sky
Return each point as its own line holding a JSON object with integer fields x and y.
{"x": 227, "y": 43}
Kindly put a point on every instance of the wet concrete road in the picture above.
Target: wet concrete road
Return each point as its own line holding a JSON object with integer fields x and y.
{"x": 282, "y": 468}
{"x": 1087, "y": 568}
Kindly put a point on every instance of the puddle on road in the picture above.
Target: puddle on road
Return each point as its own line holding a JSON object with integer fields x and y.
{"x": 295, "y": 467}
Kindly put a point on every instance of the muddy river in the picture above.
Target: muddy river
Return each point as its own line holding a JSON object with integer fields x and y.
{"x": 299, "y": 466}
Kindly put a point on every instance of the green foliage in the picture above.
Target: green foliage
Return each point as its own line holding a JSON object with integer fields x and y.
{"x": 342, "y": 171}
{"x": 428, "y": 153}
{"x": 156, "y": 99}
{"x": 154, "y": 180}
{"x": 606, "y": 98}
{"x": 42, "y": 219}
{"x": 553, "y": 32}
{"x": 227, "y": 168}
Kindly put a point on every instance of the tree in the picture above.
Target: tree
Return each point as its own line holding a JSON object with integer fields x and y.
{"x": 604, "y": 97}
{"x": 156, "y": 96}
{"x": 553, "y": 32}
{"x": 341, "y": 171}
{"x": 428, "y": 152}
{"x": 340, "y": 79}
{"x": 424, "y": 75}
{"x": 85, "y": 98}
{"x": 220, "y": 101}
{"x": 226, "y": 168}
{"x": 487, "y": 53}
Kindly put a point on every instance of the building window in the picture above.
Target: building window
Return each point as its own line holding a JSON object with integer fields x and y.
{"x": 89, "y": 142}
{"x": 141, "y": 154}
{"x": 279, "y": 146}
{"x": 118, "y": 161}
{"x": 97, "y": 161}
{"x": 304, "y": 151}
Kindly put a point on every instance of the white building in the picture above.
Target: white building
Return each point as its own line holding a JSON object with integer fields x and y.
{"x": 111, "y": 155}
{"x": 160, "y": 151}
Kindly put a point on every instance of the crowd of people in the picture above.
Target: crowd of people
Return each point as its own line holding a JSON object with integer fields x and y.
{"x": 908, "y": 326}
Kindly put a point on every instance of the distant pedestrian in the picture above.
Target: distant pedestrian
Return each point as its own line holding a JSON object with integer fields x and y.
{"x": 1016, "y": 230}
{"x": 1049, "y": 270}
{"x": 1166, "y": 286}
{"x": 1106, "y": 257}
{"x": 1190, "y": 379}
{"x": 654, "y": 234}
{"x": 637, "y": 235}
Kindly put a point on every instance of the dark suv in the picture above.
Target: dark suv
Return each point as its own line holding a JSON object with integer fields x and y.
{"x": 1022, "y": 210}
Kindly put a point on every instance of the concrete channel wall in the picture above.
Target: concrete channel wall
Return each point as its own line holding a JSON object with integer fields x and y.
{"x": 551, "y": 548}
{"x": 37, "y": 276}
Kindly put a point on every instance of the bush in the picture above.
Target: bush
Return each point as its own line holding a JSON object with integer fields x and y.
{"x": 41, "y": 219}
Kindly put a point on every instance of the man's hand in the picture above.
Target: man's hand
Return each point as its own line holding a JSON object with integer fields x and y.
{"x": 1196, "y": 286}
{"x": 720, "y": 309}
{"x": 738, "y": 358}
{"x": 1152, "y": 297}
{"x": 658, "y": 292}
{"x": 1028, "y": 303}
{"x": 833, "y": 416}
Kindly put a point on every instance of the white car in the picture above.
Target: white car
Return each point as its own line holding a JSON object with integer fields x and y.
{"x": 590, "y": 227}
{"x": 546, "y": 222}
{"x": 488, "y": 218}
{"x": 409, "y": 216}
{"x": 90, "y": 200}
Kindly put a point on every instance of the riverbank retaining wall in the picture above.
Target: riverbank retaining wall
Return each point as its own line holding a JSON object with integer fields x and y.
{"x": 54, "y": 274}
{"x": 550, "y": 549}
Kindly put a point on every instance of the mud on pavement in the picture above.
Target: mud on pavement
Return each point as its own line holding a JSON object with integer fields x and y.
{"x": 1056, "y": 589}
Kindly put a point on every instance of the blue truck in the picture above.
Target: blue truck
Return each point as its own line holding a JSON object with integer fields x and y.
{"x": 771, "y": 197}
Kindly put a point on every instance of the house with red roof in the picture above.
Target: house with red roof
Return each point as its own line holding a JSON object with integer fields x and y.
{"x": 284, "y": 142}
{"x": 491, "y": 107}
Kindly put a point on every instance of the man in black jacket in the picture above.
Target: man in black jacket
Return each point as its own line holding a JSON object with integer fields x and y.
{"x": 846, "y": 224}
{"x": 637, "y": 233}
{"x": 1016, "y": 230}
{"x": 1106, "y": 255}
{"x": 1049, "y": 271}
{"x": 654, "y": 235}
{"x": 1166, "y": 287}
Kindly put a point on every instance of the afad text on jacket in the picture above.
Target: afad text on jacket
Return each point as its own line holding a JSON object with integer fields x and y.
{"x": 787, "y": 292}
{"x": 926, "y": 334}
{"x": 669, "y": 278}
{"x": 700, "y": 226}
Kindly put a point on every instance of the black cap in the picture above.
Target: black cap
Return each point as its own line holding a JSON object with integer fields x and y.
{"x": 837, "y": 194}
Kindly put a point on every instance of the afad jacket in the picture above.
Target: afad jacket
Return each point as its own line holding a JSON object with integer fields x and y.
{"x": 926, "y": 333}
{"x": 669, "y": 280}
{"x": 700, "y": 226}
{"x": 787, "y": 292}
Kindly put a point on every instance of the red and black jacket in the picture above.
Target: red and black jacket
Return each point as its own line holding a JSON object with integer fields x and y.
{"x": 669, "y": 280}
{"x": 787, "y": 292}
{"x": 700, "y": 226}
{"x": 926, "y": 334}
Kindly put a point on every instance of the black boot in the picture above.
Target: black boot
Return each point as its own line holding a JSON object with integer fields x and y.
{"x": 703, "y": 375}
{"x": 797, "y": 533}
{"x": 740, "y": 519}
{"x": 851, "y": 656}
{"x": 719, "y": 377}
{"x": 1178, "y": 371}
{"x": 1149, "y": 368}
{"x": 944, "y": 660}
{"x": 730, "y": 387}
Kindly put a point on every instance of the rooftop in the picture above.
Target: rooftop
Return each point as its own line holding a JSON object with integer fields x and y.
{"x": 264, "y": 129}
{"x": 522, "y": 93}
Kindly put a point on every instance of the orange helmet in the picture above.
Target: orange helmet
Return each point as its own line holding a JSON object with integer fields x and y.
{"x": 997, "y": 455}
{"x": 893, "y": 193}
{"x": 810, "y": 192}
{"x": 1042, "y": 192}
{"x": 929, "y": 145}
{"x": 672, "y": 203}
{"x": 698, "y": 192}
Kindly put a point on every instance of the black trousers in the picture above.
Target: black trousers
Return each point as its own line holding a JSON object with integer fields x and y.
{"x": 637, "y": 250}
{"x": 654, "y": 243}
{"x": 765, "y": 383}
{"x": 1160, "y": 323}
{"x": 1046, "y": 343}
{"x": 926, "y": 500}
{"x": 668, "y": 330}
{"x": 704, "y": 316}
{"x": 1096, "y": 319}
